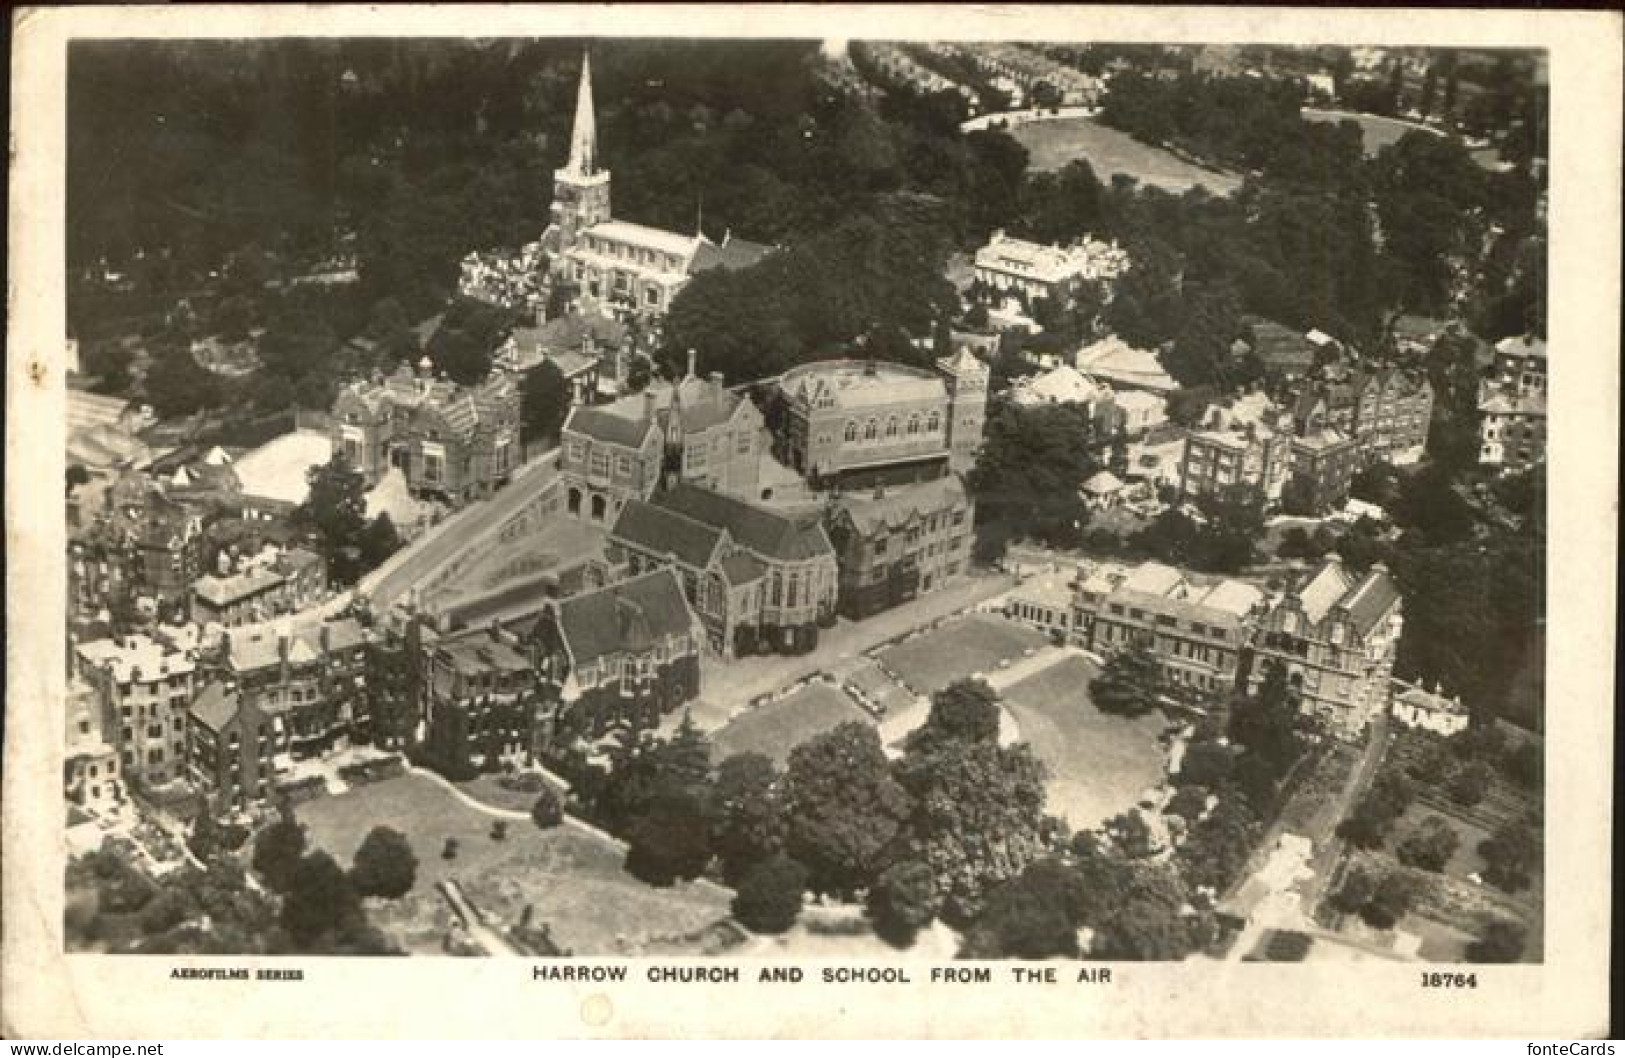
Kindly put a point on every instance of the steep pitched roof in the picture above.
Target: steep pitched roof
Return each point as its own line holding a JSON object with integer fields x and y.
{"x": 651, "y": 528}
{"x": 629, "y": 616}
{"x": 609, "y": 428}
{"x": 1322, "y": 591}
{"x": 1371, "y": 599}
{"x": 731, "y": 253}
{"x": 898, "y": 505}
{"x": 742, "y": 568}
{"x": 768, "y": 533}
{"x": 215, "y": 707}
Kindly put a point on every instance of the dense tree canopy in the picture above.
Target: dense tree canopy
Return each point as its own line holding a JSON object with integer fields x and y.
{"x": 844, "y": 807}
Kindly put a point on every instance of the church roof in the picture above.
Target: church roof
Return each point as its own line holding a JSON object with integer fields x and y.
{"x": 730, "y": 253}
{"x": 641, "y": 235}
{"x": 630, "y": 616}
{"x": 768, "y": 533}
{"x": 651, "y": 528}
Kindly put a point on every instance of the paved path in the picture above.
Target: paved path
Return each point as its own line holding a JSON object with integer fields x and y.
{"x": 431, "y": 553}
{"x": 489, "y": 940}
{"x": 731, "y": 685}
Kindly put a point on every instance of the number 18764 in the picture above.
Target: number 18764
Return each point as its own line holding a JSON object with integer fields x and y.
{"x": 1444, "y": 980}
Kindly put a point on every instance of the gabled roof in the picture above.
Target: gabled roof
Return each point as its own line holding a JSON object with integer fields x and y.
{"x": 1322, "y": 591}
{"x": 770, "y": 534}
{"x": 627, "y": 617}
{"x": 731, "y": 253}
{"x": 897, "y": 506}
{"x": 647, "y": 527}
{"x": 215, "y": 707}
{"x": 608, "y": 428}
{"x": 1371, "y": 599}
{"x": 1102, "y": 483}
{"x": 742, "y": 568}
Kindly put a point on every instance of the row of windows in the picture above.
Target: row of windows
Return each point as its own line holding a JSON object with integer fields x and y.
{"x": 872, "y": 430}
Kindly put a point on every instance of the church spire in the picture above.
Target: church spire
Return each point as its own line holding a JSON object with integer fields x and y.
{"x": 584, "y": 137}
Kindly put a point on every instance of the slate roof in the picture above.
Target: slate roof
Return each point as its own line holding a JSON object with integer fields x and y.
{"x": 1322, "y": 591}
{"x": 730, "y": 253}
{"x": 607, "y": 427}
{"x": 650, "y": 528}
{"x": 1370, "y": 600}
{"x": 741, "y": 568}
{"x": 627, "y": 617}
{"x": 215, "y": 707}
{"x": 223, "y": 591}
{"x": 770, "y": 534}
{"x": 1280, "y": 347}
{"x": 898, "y": 505}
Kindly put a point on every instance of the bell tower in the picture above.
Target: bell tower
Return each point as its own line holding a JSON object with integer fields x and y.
{"x": 581, "y": 188}
{"x": 966, "y": 378}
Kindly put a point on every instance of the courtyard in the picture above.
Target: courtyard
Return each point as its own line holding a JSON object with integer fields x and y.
{"x": 974, "y": 644}
{"x": 1099, "y": 764}
{"x": 572, "y": 879}
{"x": 1052, "y": 144}
{"x": 774, "y": 729}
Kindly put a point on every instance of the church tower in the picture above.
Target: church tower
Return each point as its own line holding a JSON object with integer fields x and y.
{"x": 581, "y": 188}
{"x": 966, "y": 378}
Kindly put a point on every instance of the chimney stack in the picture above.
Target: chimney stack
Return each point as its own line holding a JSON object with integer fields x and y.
{"x": 648, "y": 405}
{"x": 692, "y": 357}
{"x": 716, "y": 379}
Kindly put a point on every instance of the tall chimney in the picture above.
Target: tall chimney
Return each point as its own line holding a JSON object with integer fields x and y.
{"x": 692, "y": 357}
{"x": 648, "y": 405}
{"x": 716, "y": 379}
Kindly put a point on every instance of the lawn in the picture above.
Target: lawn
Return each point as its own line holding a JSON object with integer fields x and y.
{"x": 1099, "y": 764}
{"x": 778, "y": 727}
{"x": 1052, "y": 144}
{"x": 1466, "y": 859}
{"x": 488, "y": 789}
{"x": 973, "y": 644}
{"x": 1376, "y": 132}
{"x": 572, "y": 879}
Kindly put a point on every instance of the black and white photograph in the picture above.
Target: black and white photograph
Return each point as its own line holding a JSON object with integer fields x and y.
{"x": 902, "y": 506}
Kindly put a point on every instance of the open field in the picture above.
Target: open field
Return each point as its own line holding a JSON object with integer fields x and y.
{"x": 573, "y": 880}
{"x": 1052, "y": 144}
{"x": 974, "y": 643}
{"x": 488, "y": 789}
{"x": 1376, "y": 132}
{"x": 778, "y": 727}
{"x": 1099, "y": 764}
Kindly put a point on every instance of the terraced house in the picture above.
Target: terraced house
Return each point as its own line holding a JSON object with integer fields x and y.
{"x": 760, "y": 580}
{"x": 142, "y": 690}
{"x": 1337, "y": 634}
{"x": 1197, "y": 627}
{"x": 455, "y": 442}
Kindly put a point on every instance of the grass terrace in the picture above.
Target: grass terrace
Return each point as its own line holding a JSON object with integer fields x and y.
{"x": 573, "y": 880}
{"x": 1099, "y": 764}
{"x": 778, "y": 727}
{"x": 976, "y": 643}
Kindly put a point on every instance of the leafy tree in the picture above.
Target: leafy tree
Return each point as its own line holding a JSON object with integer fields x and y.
{"x": 321, "y": 904}
{"x": 1032, "y": 916}
{"x": 547, "y": 813}
{"x": 378, "y": 541}
{"x": 645, "y": 771}
{"x": 1206, "y": 764}
{"x": 1128, "y": 684}
{"x": 978, "y": 816}
{"x": 1512, "y": 855}
{"x": 176, "y": 385}
{"x": 1266, "y": 722}
{"x": 1470, "y": 783}
{"x": 1391, "y": 898}
{"x": 1503, "y": 942}
{"x": 1145, "y": 932}
{"x": 843, "y": 806}
{"x": 1027, "y": 476}
{"x": 748, "y": 816}
{"x": 1429, "y": 845}
{"x": 1385, "y": 802}
{"x": 769, "y": 897}
{"x": 902, "y": 901}
{"x": 384, "y": 865}
{"x": 1218, "y": 847}
{"x": 1356, "y": 891}
{"x": 335, "y": 511}
{"x": 966, "y": 711}
{"x": 669, "y": 841}
{"x": 277, "y": 853}
{"x": 544, "y": 400}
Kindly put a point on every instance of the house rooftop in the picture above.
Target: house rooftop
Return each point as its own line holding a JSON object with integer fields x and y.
{"x": 630, "y": 616}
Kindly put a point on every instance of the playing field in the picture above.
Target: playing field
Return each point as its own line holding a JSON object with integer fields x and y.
{"x": 976, "y": 643}
{"x": 1099, "y": 764}
{"x": 573, "y": 880}
{"x": 778, "y": 727}
{"x": 1052, "y": 144}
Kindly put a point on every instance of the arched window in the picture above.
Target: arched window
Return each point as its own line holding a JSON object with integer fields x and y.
{"x": 913, "y": 425}
{"x": 852, "y": 430}
{"x": 574, "y": 501}
{"x": 891, "y": 427}
{"x": 598, "y": 508}
{"x": 934, "y": 423}
{"x": 871, "y": 429}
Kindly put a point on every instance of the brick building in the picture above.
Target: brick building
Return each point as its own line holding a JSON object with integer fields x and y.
{"x": 285, "y": 582}
{"x": 142, "y": 689}
{"x": 1197, "y": 627}
{"x": 893, "y": 545}
{"x": 760, "y": 580}
{"x": 456, "y": 442}
{"x": 1337, "y": 633}
{"x": 1512, "y": 405}
{"x": 309, "y": 678}
{"x": 477, "y": 697}
{"x": 625, "y": 654}
{"x": 608, "y": 457}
